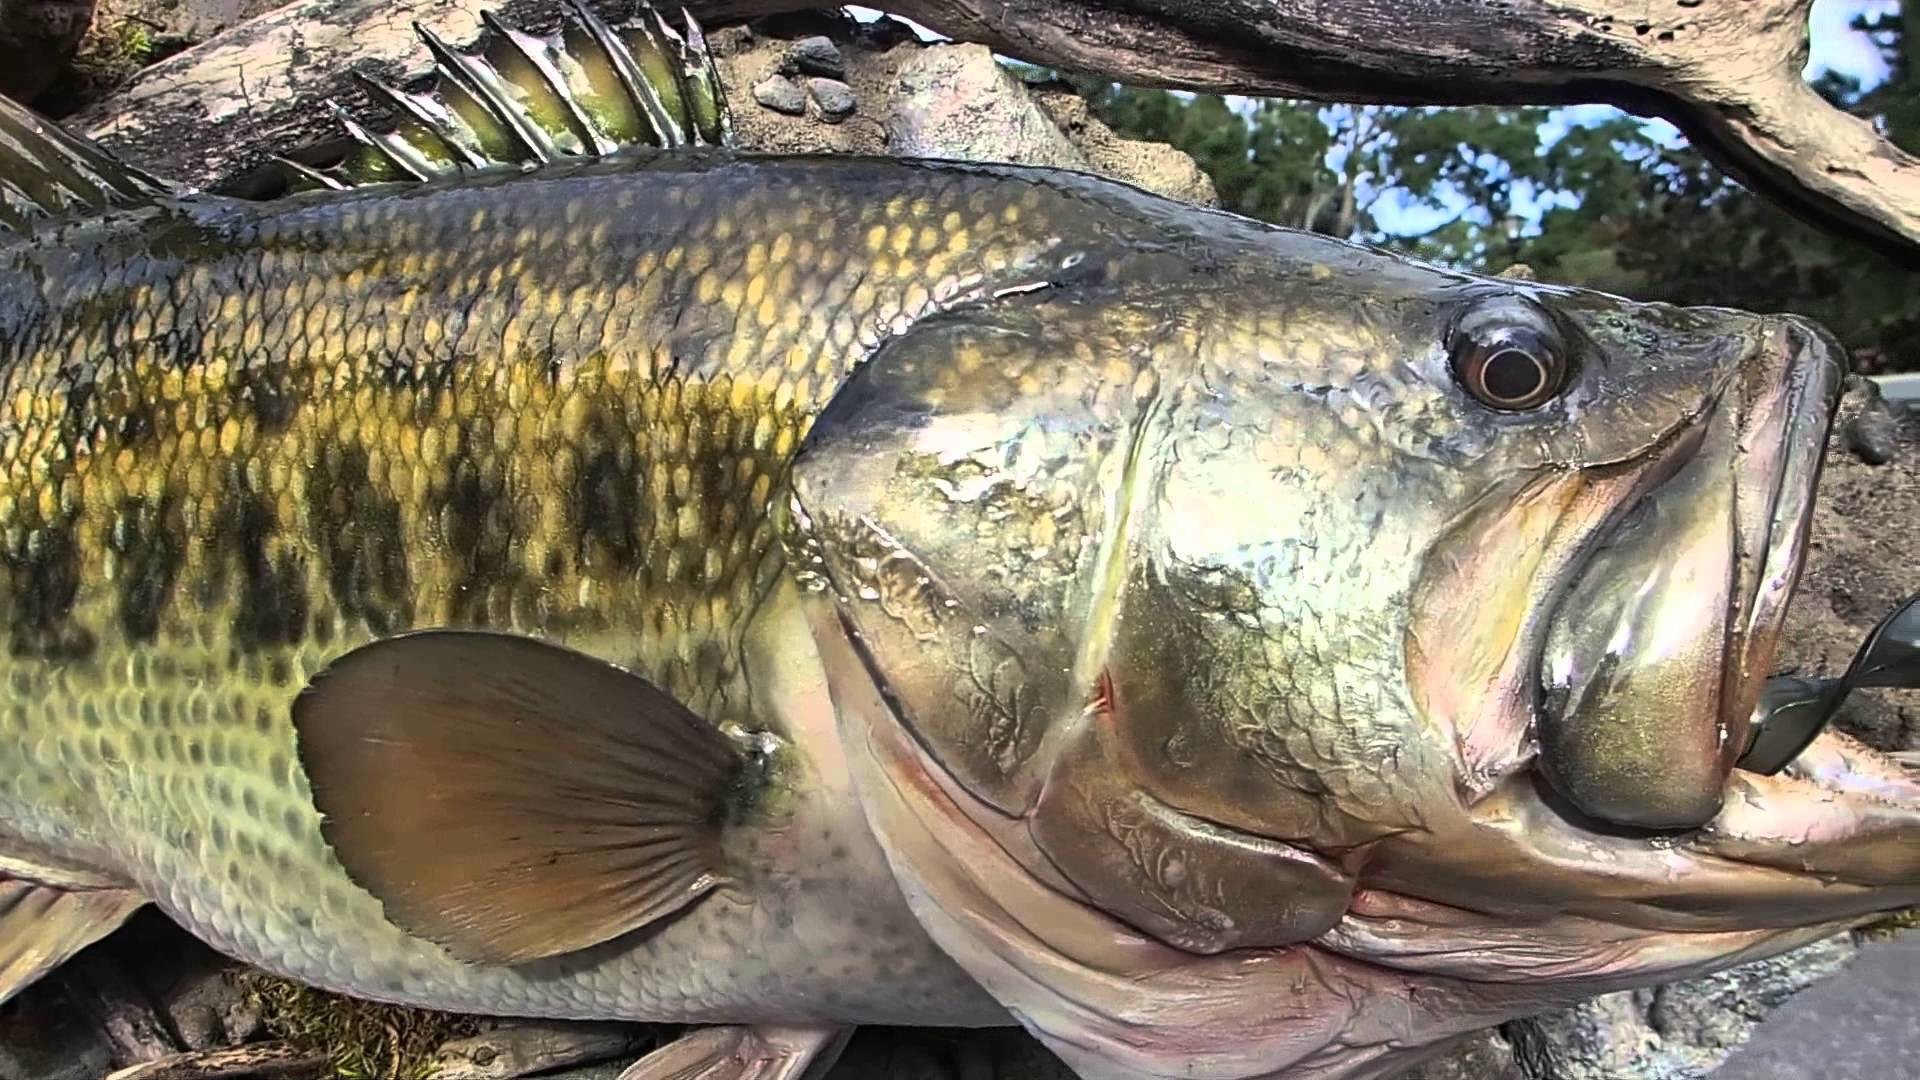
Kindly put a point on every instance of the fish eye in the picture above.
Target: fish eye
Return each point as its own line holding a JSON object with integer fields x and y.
{"x": 1508, "y": 360}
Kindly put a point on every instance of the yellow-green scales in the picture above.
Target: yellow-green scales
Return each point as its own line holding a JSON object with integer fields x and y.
{"x": 240, "y": 439}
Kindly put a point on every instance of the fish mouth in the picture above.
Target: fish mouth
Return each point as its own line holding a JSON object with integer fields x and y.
{"x": 1680, "y": 599}
{"x": 1652, "y": 802}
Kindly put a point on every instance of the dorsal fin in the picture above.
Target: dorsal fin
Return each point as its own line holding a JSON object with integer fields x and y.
{"x": 585, "y": 90}
{"x": 48, "y": 173}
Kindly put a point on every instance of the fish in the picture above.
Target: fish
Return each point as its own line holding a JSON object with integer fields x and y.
{"x": 782, "y": 594}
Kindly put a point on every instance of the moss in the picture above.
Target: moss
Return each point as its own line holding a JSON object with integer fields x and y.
{"x": 113, "y": 52}
{"x": 1891, "y": 926}
{"x": 362, "y": 1040}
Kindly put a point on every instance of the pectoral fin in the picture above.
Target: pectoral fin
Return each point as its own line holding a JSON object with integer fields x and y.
{"x": 511, "y": 799}
{"x": 42, "y": 925}
{"x": 744, "y": 1053}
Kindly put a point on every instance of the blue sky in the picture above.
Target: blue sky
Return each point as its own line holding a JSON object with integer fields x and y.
{"x": 1837, "y": 47}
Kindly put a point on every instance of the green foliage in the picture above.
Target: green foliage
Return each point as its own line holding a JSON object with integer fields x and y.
{"x": 1606, "y": 205}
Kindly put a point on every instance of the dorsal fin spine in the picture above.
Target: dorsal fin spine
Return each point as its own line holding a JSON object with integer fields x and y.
{"x": 551, "y": 85}
{"x": 432, "y": 120}
{"x": 587, "y": 89}
{"x": 641, "y": 90}
{"x": 47, "y": 172}
{"x": 471, "y": 78}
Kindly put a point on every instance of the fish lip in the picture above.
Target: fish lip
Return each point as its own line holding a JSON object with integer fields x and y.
{"x": 1782, "y": 442}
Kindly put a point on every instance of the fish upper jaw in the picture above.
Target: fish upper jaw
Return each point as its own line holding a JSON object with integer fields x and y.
{"x": 1668, "y": 617}
{"x": 1791, "y": 404}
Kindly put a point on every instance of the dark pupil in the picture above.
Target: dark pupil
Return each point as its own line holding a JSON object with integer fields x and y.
{"x": 1511, "y": 375}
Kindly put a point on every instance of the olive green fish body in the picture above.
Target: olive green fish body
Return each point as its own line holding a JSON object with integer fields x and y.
{"x": 238, "y": 440}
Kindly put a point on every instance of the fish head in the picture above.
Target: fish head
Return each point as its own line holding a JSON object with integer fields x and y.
{"x": 1389, "y": 627}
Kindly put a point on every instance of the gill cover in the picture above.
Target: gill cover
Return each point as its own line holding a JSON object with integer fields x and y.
{"x": 978, "y": 502}
{"x": 964, "y": 497}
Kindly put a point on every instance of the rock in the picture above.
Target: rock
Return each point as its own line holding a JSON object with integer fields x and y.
{"x": 1861, "y": 561}
{"x": 1487, "y": 1056}
{"x": 957, "y": 101}
{"x": 1157, "y": 167}
{"x": 1869, "y": 425}
{"x": 37, "y": 38}
{"x": 817, "y": 55}
{"x": 1858, "y": 1025}
{"x": 1677, "y": 1032}
{"x": 833, "y": 97}
{"x": 781, "y": 94}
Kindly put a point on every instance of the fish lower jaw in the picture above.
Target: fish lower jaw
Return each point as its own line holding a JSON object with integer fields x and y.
{"x": 1834, "y": 838}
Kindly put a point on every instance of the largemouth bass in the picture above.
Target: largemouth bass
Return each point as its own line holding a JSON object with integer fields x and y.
{"x": 785, "y": 594}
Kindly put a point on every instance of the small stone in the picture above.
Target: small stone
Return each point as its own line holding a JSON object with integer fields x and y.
{"x": 834, "y": 97}
{"x": 1869, "y": 424}
{"x": 818, "y": 55}
{"x": 781, "y": 94}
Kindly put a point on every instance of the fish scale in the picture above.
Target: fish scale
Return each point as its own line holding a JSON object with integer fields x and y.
{"x": 243, "y": 439}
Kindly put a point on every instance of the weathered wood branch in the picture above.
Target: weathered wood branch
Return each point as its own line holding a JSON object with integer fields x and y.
{"x": 258, "y": 1061}
{"x": 1726, "y": 71}
{"x": 105, "y": 992}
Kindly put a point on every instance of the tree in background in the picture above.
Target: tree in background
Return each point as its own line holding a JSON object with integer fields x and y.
{"x": 1605, "y": 203}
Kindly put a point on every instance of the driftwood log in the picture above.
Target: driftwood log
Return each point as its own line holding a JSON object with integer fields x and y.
{"x": 1726, "y": 71}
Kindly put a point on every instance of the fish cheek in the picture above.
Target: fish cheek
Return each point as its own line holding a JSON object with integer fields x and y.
{"x": 1189, "y": 882}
